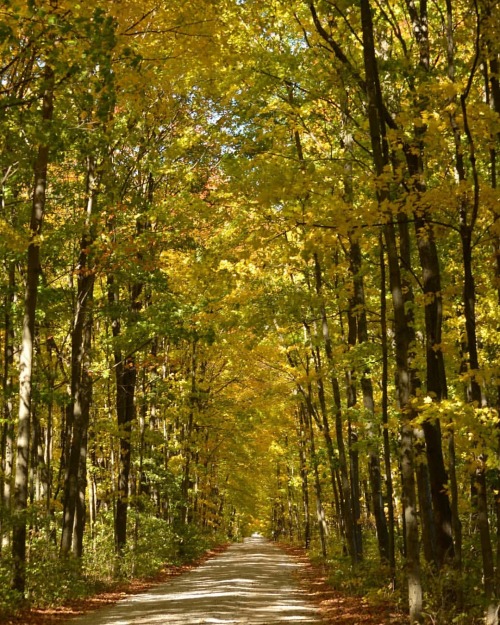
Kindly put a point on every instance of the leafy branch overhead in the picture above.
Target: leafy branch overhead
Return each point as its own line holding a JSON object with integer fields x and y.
{"x": 250, "y": 281}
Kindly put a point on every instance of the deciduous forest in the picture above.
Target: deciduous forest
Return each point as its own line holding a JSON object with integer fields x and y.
{"x": 250, "y": 281}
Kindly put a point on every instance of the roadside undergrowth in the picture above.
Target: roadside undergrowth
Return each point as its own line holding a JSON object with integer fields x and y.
{"x": 109, "y": 593}
{"x": 341, "y": 606}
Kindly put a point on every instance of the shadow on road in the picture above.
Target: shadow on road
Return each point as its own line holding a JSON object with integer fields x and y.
{"x": 252, "y": 582}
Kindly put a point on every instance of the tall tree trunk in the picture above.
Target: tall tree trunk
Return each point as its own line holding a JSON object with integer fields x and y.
{"x": 385, "y": 412}
{"x": 28, "y": 336}
{"x": 421, "y": 464}
{"x": 405, "y": 376}
{"x": 456, "y": 522}
{"x": 349, "y": 520}
{"x": 304, "y": 477}
{"x": 80, "y": 508}
{"x": 80, "y": 383}
{"x": 126, "y": 379}
{"x": 357, "y": 327}
{"x": 325, "y": 428}
{"x": 468, "y": 213}
{"x": 431, "y": 283}
{"x": 360, "y": 331}
{"x": 8, "y": 410}
{"x": 126, "y": 375}
{"x": 491, "y": 68}
{"x": 424, "y": 498}
{"x": 86, "y": 400}
{"x": 320, "y": 513}
{"x": 436, "y": 388}
{"x": 51, "y": 373}
{"x": 40, "y": 474}
{"x": 187, "y": 438}
{"x": 352, "y": 437}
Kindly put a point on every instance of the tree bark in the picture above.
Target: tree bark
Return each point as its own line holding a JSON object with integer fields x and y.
{"x": 304, "y": 477}
{"x": 80, "y": 383}
{"x": 126, "y": 375}
{"x": 492, "y": 88}
{"x": 28, "y": 336}
{"x": 86, "y": 394}
{"x": 360, "y": 334}
{"x": 320, "y": 513}
{"x": 8, "y": 410}
{"x": 349, "y": 520}
{"x": 405, "y": 375}
{"x": 436, "y": 385}
{"x": 385, "y": 412}
{"x": 468, "y": 212}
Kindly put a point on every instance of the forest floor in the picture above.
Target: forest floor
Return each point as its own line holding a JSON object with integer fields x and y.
{"x": 267, "y": 583}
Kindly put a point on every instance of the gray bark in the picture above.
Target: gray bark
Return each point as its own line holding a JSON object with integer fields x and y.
{"x": 27, "y": 342}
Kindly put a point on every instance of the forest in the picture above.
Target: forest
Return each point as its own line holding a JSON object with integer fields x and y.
{"x": 250, "y": 281}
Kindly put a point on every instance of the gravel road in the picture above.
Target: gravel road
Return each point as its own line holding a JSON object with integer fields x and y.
{"x": 252, "y": 583}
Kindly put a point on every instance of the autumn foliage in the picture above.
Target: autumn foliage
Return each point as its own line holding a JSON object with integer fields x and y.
{"x": 250, "y": 280}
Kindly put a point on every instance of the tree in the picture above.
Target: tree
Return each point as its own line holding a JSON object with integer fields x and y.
{"x": 33, "y": 270}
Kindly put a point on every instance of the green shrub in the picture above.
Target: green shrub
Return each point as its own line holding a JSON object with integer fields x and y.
{"x": 151, "y": 548}
{"x": 51, "y": 580}
{"x": 99, "y": 558}
{"x": 190, "y": 543}
{"x": 9, "y": 599}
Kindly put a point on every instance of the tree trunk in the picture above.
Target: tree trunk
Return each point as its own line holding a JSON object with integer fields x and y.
{"x": 358, "y": 314}
{"x": 304, "y": 477}
{"x": 126, "y": 375}
{"x": 492, "y": 89}
{"x": 385, "y": 412}
{"x": 28, "y": 337}
{"x": 343, "y": 512}
{"x": 354, "y": 478}
{"x": 86, "y": 401}
{"x": 187, "y": 436}
{"x": 436, "y": 389}
{"x": 424, "y": 498}
{"x": 347, "y": 521}
{"x": 468, "y": 212}
{"x": 320, "y": 513}
{"x": 80, "y": 383}
{"x": 8, "y": 411}
{"x": 456, "y": 523}
{"x": 431, "y": 283}
{"x": 405, "y": 376}
{"x": 421, "y": 463}
{"x": 343, "y": 465}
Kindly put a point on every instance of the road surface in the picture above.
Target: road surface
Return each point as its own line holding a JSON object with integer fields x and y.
{"x": 252, "y": 583}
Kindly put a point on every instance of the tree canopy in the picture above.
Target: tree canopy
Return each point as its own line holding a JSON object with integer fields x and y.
{"x": 250, "y": 281}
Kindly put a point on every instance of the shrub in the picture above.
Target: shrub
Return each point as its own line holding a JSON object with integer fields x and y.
{"x": 51, "y": 580}
{"x": 9, "y": 599}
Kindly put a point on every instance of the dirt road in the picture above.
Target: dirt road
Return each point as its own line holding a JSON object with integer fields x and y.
{"x": 252, "y": 582}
